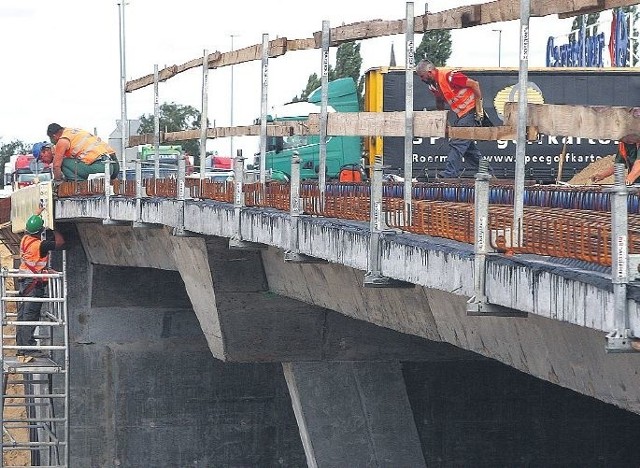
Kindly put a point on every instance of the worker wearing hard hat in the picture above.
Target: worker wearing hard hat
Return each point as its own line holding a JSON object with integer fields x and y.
{"x": 78, "y": 154}
{"x": 35, "y": 247}
{"x": 43, "y": 152}
{"x": 628, "y": 155}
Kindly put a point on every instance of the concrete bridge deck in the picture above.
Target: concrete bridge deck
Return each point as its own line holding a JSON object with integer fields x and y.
{"x": 562, "y": 341}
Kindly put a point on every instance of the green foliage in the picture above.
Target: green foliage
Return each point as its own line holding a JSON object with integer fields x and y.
{"x": 9, "y": 149}
{"x": 435, "y": 46}
{"x": 175, "y": 118}
{"x": 348, "y": 63}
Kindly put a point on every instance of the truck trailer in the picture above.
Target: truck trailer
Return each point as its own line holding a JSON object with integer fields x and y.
{"x": 385, "y": 91}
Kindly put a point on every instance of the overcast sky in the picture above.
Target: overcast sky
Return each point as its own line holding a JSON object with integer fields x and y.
{"x": 61, "y": 59}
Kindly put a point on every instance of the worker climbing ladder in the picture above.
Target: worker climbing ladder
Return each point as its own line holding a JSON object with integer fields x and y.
{"x": 35, "y": 390}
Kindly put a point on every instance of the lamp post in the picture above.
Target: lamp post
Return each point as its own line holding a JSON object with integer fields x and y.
{"x": 499, "y": 31}
{"x": 231, "y": 106}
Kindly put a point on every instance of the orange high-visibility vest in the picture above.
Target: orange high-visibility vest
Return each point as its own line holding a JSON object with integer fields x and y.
{"x": 84, "y": 146}
{"x": 622, "y": 151}
{"x": 30, "y": 255}
{"x": 461, "y": 101}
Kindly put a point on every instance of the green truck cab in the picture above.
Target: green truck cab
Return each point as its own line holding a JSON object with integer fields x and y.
{"x": 341, "y": 151}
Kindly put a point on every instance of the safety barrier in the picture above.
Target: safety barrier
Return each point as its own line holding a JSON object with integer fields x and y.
{"x": 559, "y": 221}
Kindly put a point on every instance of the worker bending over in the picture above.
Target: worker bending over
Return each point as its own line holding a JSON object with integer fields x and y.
{"x": 464, "y": 96}
{"x": 628, "y": 155}
{"x": 78, "y": 154}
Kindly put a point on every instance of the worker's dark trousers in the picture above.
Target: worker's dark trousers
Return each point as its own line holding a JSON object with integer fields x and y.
{"x": 462, "y": 148}
{"x": 28, "y": 312}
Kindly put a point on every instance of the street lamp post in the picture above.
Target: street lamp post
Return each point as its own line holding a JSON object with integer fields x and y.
{"x": 499, "y": 31}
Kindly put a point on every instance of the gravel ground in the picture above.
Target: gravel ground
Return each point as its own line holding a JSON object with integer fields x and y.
{"x": 584, "y": 177}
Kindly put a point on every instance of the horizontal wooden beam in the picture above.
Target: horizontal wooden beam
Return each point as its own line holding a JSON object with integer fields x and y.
{"x": 385, "y": 124}
{"x": 453, "y": 18}
{"x": 425, "y": 123}
{"x": 595, "y": 122}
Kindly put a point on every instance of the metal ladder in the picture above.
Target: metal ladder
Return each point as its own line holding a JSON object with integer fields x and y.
{"x": 36, "y": 390}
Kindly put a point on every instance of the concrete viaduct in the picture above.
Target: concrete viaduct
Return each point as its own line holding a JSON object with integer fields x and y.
{"x": 149, "y": 310}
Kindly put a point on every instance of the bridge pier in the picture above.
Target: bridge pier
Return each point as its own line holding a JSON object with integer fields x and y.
{"x": 353, "y": 414}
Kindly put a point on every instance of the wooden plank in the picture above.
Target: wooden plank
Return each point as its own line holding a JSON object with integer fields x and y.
{"x": 362, "y": 30}
{"x": 426, "y": 123}
{"x": 595, "y": 122}
{"x": 273, "y": 129}
{"x": 454, "y": 18}
{"x": 483, "y": 133}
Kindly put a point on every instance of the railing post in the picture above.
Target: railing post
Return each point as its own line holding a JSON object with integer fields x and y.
{"x": 293, "y": 255}
{"x": 179, "y": 229}
{"x": 140, "y": 192}
{"x": 108, "y": 192}
{"x": 236, "y": 242}
{"x": 373, "y": 278}
{"x": 619, "y": 340}
{"x": 478, "y": 304}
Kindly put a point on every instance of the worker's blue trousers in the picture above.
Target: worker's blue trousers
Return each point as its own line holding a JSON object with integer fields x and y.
{"x": 460, "y": 149}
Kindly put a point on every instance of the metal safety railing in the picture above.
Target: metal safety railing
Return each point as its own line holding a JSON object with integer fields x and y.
{"x": 560, "y": 221}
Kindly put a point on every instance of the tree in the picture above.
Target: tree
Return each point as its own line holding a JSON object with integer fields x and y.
{"x": 435, "y": 46}
{"x": 175, "y": 118}
{"x": 9, "y": 149}
{"x": 348, "y": 64}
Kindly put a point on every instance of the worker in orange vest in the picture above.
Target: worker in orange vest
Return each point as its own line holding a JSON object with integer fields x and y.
{"x": 628, "y": 155}
{"x": 34, "y": 255}
{"x": 464, "y": 97}
{"x": 78, "y": 154}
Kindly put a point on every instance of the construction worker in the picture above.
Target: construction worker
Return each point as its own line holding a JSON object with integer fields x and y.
{"x": 78, "y": 154}
{"x": 34, "y": 255}
{"x": 627, "y": 154}
{"x": 43, "y": 152}
{"x": 464, "y": 97}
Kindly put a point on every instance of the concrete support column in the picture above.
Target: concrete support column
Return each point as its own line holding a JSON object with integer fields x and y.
{"x": 354, "y": 414}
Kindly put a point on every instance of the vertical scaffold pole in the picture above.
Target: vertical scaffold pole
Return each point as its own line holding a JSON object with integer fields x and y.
{"x": 263, "y": 113}
{"x": 324, "y": 102}
{"x": 156, "y": 124}
{"x": 619, "y": 339}
{"x": 203, "y": 116}
{"x": 123, "y": 94}
{"x": 408, "y": 114}
{"x": 479, "y": 305}
{"x": 521, "y": 146}
{"x": 374, "y": 278}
